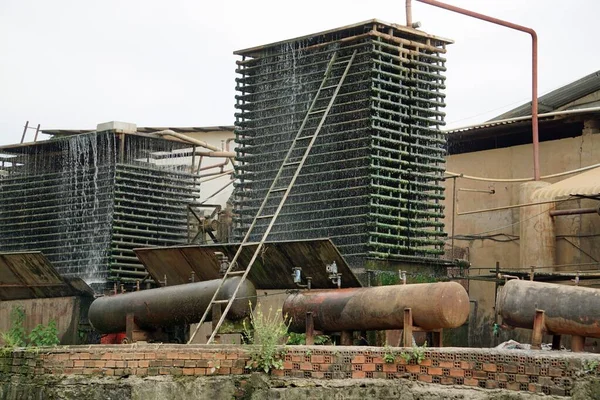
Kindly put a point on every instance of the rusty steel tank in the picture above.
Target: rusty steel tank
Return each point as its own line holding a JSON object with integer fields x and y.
{"x": 434, "y": 306}
{"x": 168, "y": 306}
{"x": 570, "y": 310}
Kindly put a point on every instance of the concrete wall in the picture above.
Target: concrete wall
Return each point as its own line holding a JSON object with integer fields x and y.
{"x": 516, "y": 162}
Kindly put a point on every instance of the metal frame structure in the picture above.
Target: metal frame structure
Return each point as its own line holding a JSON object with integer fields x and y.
{"x": 373, "y": 181}
{"x": 86, "y": 201}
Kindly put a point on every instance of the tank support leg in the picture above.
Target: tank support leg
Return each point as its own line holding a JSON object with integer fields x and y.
{"x": 216, "y": 316}
{"x": 310, "y": 329}
{"x": 538, "y": 329}
{"x": 407, "y": 333}
{"x": 577, "y": 343}
{"x": 555, "y": 342}
{"x": 346, "y": 338}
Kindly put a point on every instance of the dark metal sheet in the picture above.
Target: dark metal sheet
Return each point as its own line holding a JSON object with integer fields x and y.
{"x": 26, "y": 275}
{"x": 271, "y": 270}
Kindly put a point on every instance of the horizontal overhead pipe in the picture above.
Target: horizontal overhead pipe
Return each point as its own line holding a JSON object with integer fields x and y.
{"x": 534, "y": 70}
{"x": 575, "y": 211}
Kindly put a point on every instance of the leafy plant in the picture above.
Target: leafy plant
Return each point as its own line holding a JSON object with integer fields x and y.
{"x": 300, "y": 339}
{"x": 389, "y": 355}
{"x": 15, "y": 337}
{"x": 44, "y": 335}
{"x": 406, "y": 356}
{"x": 267, "y": 331}
{"x": 419, "y": 353}
{"x": 589, "y": 366}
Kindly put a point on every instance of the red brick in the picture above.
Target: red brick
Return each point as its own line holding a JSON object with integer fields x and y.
{"x": 199, "y": 371}
{"x": 447, "y": 381}
{"x": 491, "y": 384}
{"x": 297, "y": 358}
{"x": 277, "y": 372}
{"x": 358, "y": 374}
{"x": 178, "y": 363}
{"x": 306, "y": 366}
{"x": 149, "y": 356}
{"x": 457, "y": 372}
{"x": 533, "y": 388}
{"x": 78, "y": 363}
{"x": 513, "y": 386}
{"x": 172, "y": 355}
{"x": 413, "y": 369}
{"x": 141, "y": 371}
{"x": 315, "y": 374}
{"x": 224, "y": 371}
{"x": 358, "y": 359}
{"x": 480, "y": 374}
{"x": 226, "y": 363}
{"x": 99, "y": 363}
{"x": 220, "y": 356}
{"x": 287, "y": 365}
{"x": 425, "y": 378}
{"x": 196, "y": 356}
{"x": 446, "y": 364}
{"x": 232, "y": 356}
{"x": 501, "y": 377}
{"x": 427, "y": 363}
{"x": 467, "y": 364}
{"x": 84, "y": 356}
{"x": 109, "y": 372}
{"x": 434, "y": 371}
{"x": 116, "y": 356}
{"x": 317, "y": 359}
{"x": 532, "y": 370}
{"x": 188, "y": 371}
{"x": 369, "y": 367}
{"x": 511, "y": 369}
{"x": 555, "y": 372}
{"x": 389, "y": 367}
{"x": 522, "y": 378}
{"x": 378, "y": 360}
{"x": 163, "y": 371}
{"x": 240, "y": 371}
{"x": 105, "y": 356}
{"x": 490, "y": 367}
{"x": 471, "y": 382}
{"x": 189, "y": 363}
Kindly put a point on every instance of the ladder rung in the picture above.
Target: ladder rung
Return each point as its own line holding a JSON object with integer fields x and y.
{"x": 220, "y": 301}
{"x": 329, "y": 87}
{"x": 317, "y": 111}
{"x": 236, "y": 273}
{"x": 265, "y": 216}
{"x": 279, "y": 190}
{"x": 289, "y": 164}
{"x": 305, "y": 137}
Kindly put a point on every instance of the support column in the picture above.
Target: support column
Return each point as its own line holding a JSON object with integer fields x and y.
{"x": 537, "y": 237}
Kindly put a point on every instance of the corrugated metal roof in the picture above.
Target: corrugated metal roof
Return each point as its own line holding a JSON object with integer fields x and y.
{"x": 557, "y": 98}
{"x": 271, "y": 270}
{"x": 585, "y": 184}
{"x": 26, "y": 275}
{"x": 147, "y": 129}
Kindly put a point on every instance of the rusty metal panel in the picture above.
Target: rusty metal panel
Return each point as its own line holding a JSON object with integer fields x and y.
{"x": 271, "y": 270}
{"x": 25, "y": 275}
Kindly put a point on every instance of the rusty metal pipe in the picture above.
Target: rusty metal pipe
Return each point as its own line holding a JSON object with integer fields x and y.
{"x": 409, "y": 13}
{"x": 575, "y": 211}
{"x": 434, "y": 306}
{"x": 168, "y": 306}
{"x": 534, "y": 71}
{"x": 569, "y": 310}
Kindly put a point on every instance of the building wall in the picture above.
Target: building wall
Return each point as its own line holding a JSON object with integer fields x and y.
{"x": 515, "y": 162}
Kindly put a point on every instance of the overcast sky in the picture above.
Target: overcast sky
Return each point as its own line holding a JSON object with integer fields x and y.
{"x": 73, "y": 64}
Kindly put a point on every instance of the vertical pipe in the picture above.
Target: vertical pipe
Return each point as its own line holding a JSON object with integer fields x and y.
{"x": 409, "y": 13}
{"x": 37, "y": 131}
{"x": 24, "y": 131}
{"x": 534, "y": 72}
{"x": 453, "y": 212}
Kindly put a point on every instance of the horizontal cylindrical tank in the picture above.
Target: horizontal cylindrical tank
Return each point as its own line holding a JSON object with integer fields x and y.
{"x": 170, "y": 305}
{"x": 570, "y": 310}
{"x": 434, "y": 306}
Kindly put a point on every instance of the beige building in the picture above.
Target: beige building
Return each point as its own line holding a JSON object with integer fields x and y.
{"x": 485, "y": 219}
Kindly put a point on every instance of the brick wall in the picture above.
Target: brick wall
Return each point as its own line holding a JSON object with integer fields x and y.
{"x": 518, "y": 370}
